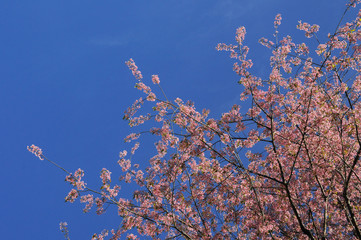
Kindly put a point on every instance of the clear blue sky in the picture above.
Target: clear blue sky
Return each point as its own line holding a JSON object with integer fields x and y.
{"x": 64, "y": 87}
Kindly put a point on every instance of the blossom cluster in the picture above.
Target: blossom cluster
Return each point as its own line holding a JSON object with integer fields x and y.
{"x": 309, "y": 30}
{"x": 134, "y": 68}
{"x": 277, "y": 21}
{"x": 36, "y": 151}
{"x": 64, "y": 229}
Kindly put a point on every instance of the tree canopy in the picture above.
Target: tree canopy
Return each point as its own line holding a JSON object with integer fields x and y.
{"x": 286, "y": 167}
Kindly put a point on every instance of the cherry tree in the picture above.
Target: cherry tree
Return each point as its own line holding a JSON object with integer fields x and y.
{"x": 286, "y": 168}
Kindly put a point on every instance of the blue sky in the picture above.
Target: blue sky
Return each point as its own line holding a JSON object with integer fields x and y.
{"x": 64, "y": 87}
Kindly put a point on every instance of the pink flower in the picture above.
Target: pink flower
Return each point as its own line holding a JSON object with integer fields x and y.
{"x": 136, "y": 73}
{"x": 72, "y": 195}
{"x": 277, "y": 21}
{"x": 101, "y": 236}
{"x": 151, "y": 97}
{"x": 36, "y": 151}
{"x": 265, "y": 42}
{"x": 122, "y": 154}
{"x": 128, "y": 177}
{"x": 100, "y": 202}
{"x": 136, "y": 146}
{"x": 105, "y": 176}
{"x": 139, "y": 174}
{"x": 130, "y": 137}
{"x": 124, "y": 164}
{"x": 63, "y": 225}
{"x": 155, "y": 79}
{"x": 240, "y": 34}
{"x": 89, "y": 200}
{"x": 132, "y": 237}
{"x": 75, "y": 179}
{"x": 64, "y": 229}
{"x": 310, "y": 30}
{"x": 321, "y": 48}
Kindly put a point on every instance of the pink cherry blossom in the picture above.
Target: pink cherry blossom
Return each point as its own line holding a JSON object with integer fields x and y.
{"x": 64, "y": 229}
{"x": 283, "y": 164}
{"x": 309, "y": 30}
{"x": 72, "y": 195}
{"x": 155, "y": 79}
{"x": 134, "y": 68}
{"x": 240, "y": 34}
{"x": 277, "y": 21}
{"x": 36, "y": 151}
